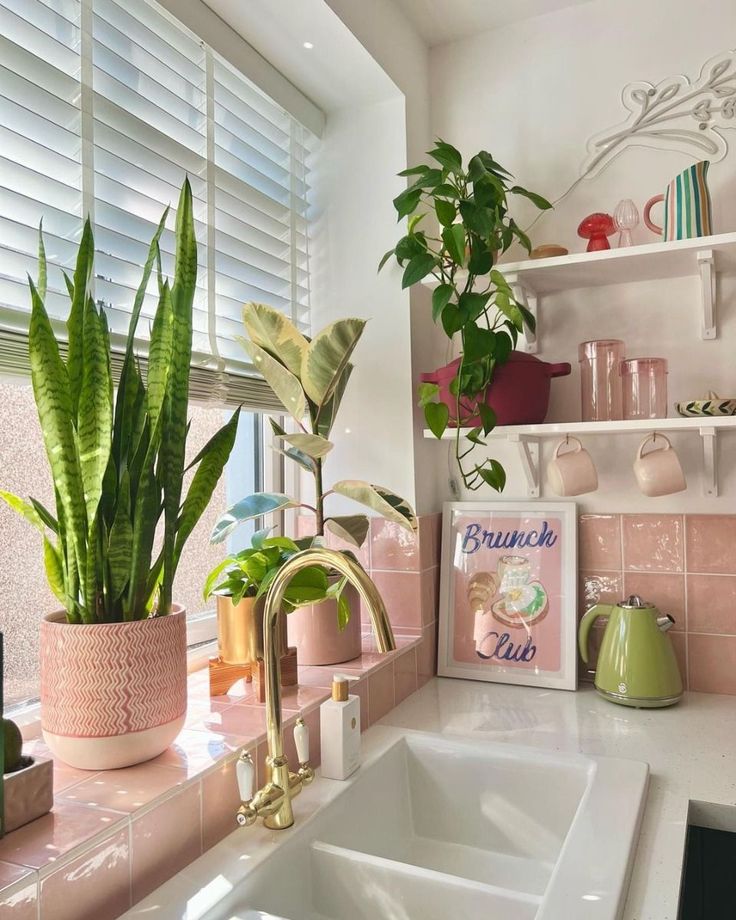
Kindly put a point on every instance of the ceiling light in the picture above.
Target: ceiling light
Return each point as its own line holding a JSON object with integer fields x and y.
{"x": 308, "y": 45}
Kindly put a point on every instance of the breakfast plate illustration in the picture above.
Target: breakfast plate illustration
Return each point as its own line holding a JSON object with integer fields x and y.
{"x": 522, "y": 606}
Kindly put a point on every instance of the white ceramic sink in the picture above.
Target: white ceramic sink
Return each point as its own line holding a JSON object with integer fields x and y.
{"x": 438, "y": 828}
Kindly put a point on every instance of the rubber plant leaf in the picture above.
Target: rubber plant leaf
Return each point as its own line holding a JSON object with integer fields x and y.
{"x": 350, "y": 527}
{"x": 248, "y": 508}
{"x": 275, "y": 333}
{"x": 312, "y": 445}
{"x": 389, "y": 505}
{"x": 328, "y": 412}
{"x": 212, "y": 459}
{"x": 285, "y": 385}
{"x": 327, "y": 357}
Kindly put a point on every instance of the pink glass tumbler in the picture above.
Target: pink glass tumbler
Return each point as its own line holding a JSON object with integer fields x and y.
{"x": 600, "y": 380}
{"x": 644, "y": 387}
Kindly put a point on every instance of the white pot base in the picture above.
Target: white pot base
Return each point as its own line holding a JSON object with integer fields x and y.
{"x": 115, "y": 751}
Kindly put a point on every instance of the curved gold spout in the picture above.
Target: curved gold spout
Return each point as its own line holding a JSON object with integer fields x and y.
{"x": 274, "y": 800}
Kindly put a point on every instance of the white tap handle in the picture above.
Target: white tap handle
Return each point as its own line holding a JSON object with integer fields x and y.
{"x": 301, "y": 739}
{"x": 245, "y": 775}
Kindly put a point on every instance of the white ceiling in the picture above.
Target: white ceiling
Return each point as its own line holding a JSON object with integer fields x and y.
{"x": 439, "y": 21}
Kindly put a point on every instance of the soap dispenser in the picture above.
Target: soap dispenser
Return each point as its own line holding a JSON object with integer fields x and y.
{"x": 340, "y": 731}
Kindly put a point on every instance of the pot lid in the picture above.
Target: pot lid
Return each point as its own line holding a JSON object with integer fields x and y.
{"x": 634, "y": 602}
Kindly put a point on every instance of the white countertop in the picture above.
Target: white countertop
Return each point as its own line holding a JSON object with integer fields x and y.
{"x": 690, "y": 748}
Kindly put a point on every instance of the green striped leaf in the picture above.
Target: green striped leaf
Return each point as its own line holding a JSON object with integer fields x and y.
{"x": 146, "y": 514}
{"x": 212, "y": 459}
{"x": 24, "y": 509}
{"x": 327, "y": 356}
{"x": 159, "y": 354}
{"x": 274, "y": 332}
{"x": 54, "y": 570}
{"x": 51, "y": 389}
{"x": 174, "y": 433}
{"x": 75, "y": 321}
{"x": 42, "y": 270}
{"x": 120, "y": 543}
{"x": 94, "y": 421}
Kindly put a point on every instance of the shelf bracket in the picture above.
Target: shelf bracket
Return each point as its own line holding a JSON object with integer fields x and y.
{"x": 710, "y": 461}
{"x": 527, "y": 297}
{"x": 529, "y": 455}
{"x": 707, "y": 268}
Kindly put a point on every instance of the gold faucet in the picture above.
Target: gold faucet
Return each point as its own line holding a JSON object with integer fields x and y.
{"x": 273, "y": 801}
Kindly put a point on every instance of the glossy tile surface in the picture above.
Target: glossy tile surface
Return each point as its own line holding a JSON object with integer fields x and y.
{"x": 165, "y": 839}
{"x": 712, "y": 663}
{"x": 711, "y": 604}
{"x": 711, "y": 543}
{"x": 653, "y": 543}
{"x": 667, "y": 591}
{"x": 126, "y": 790}
{"x": 381, "y": 693}
{"x": 599, "y": 539}
{"x": 92, "y": 886}
{"x": 18, "y": 893}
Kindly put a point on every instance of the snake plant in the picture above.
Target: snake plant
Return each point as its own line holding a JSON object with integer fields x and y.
{"x": 118, "y": 460}
{"x": 309, "y": 377}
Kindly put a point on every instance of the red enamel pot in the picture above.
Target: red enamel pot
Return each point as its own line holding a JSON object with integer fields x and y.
{"x": 519, "y": 393}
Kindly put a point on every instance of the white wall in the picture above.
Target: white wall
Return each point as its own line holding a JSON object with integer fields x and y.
{"x": 532, "y": 93}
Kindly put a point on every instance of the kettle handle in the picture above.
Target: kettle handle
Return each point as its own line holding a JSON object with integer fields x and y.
{"x": 587, "y": 621}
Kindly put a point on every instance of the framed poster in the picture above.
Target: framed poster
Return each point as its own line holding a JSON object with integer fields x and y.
{"x": 508, "y": 593}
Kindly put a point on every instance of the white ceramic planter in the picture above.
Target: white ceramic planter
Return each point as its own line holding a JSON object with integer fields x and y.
{"x": 112, "y": 694}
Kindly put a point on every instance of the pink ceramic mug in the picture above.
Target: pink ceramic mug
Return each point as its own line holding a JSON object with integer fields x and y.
{"x": 658, "y": 472}
{"x": 572, "y": 472}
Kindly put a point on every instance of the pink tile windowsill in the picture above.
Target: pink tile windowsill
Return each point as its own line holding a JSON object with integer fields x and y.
{"x": 144, "y": 824}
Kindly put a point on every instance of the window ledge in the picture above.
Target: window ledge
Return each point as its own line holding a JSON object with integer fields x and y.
{"x": 189, "y": 792}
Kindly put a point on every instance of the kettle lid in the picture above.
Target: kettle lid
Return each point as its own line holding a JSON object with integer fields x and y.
{"x": 634, "y": 602}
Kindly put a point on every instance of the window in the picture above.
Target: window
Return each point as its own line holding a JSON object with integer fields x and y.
{"x": 104, "y": 107}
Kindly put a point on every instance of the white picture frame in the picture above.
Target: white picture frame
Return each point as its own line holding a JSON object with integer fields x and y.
{"x": 508, "y": 593}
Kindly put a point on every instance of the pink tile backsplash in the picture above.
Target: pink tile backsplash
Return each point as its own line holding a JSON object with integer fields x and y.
{"x": 653, "y": 543}
{"x": 393, "y": 547}
{"x": 100, "y": 879}
{"x": 125, "y": 790}
{"x": 402, "y": 595}
{"x": 599, "y": 538}
{"x": 667, "y": 591}
{"x": 711, "y": 604}
{"x": 18, "y": 893}
{"x": 686, "y": 565}
{"x": 711, "y": 543}
{"x": 165, "y": 839}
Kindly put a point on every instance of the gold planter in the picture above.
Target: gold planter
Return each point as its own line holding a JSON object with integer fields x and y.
{"x": 240, "y": 630}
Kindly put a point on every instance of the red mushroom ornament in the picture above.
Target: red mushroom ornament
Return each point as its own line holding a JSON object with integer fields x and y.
{"x": 596, "y": 228}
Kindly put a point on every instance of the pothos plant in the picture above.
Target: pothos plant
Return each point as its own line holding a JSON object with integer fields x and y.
{"x": 472, "y": 301}
{"x": 309, "y": 376}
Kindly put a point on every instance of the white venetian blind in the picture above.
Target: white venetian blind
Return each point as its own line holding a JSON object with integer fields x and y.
{"x": 105, "y": 106}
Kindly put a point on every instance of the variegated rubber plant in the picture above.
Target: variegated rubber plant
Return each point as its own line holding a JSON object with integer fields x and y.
{"x": 309, "y": 376}
{"x": 117, "y": 462}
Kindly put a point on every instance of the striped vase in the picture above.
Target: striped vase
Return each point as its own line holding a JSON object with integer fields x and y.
{"x": 687, "y": 208}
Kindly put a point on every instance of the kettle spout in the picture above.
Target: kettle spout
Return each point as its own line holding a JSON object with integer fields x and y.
{"x": 665, "y": 622}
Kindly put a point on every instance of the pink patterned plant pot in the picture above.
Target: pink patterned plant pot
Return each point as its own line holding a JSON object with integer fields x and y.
{"x": 113, "y": 694}
{"x": 315, "y": 633}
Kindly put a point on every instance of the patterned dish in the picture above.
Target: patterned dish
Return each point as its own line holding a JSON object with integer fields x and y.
{"x": 529, "y": 607}
{"x": 712, "y": 407}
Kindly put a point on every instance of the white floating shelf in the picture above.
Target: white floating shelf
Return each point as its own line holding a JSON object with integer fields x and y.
{"x": 528, "y": 436}
{"x": 700, "y": 257}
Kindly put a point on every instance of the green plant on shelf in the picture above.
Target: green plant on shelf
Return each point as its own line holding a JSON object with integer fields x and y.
{"x": 472, "y": 302}
{"x": 118, "y": 462}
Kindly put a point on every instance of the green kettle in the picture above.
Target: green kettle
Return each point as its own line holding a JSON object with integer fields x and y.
{"x": 636, "y": 662}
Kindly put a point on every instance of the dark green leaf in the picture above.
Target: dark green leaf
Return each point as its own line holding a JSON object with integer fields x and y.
{"x": 410, "y": 246}
{"x": 452, "y": 319}
{"x": 474, "y": 437}
{"x": 440, "y": 298}
{"x": 473, "y": 304}
{"x": 437, "y": 416}
{"x": 491, "y": 165}
{"x": 414, "y": 170}
{"x": 487, "y": 417}
{"x": 386, "y": 256}
{"x": 419, "y": 267}
{"x": 454, "y": 239}
{"x": 493, "y": 474}
{"x": 445, "y": 190}
{"x": 407, "y": 202}
{"x": 536, "y": 199}
{"x": 447, "y": 155}
{"x": 446, "y": 211}
{"x": 520, "y": 236}
{"x": 428, "y": 179}
{"x": 481, "y": 257}
{"x": 479, "y": 342}
{"x": 476, "y": 217}
{"x": 529, "y": 319}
